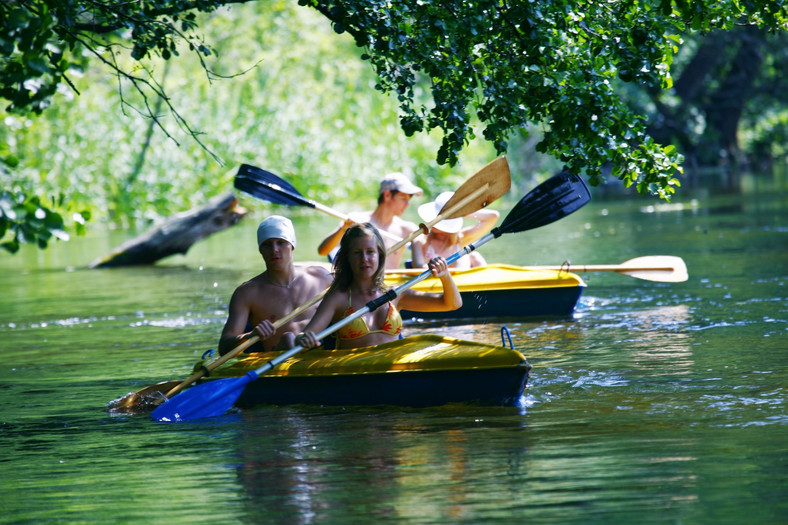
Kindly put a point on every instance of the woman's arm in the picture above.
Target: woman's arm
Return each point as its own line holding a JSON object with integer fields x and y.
{"x": 417, "y": 251}
{"x": 433, "y": 302}
{"x": 486, "y": 218}
{"x": 319, "y": 322}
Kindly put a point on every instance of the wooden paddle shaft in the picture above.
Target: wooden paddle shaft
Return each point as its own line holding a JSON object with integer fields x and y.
{"x": 601, "y": 268}
{"x": 425, "y": 228}
{"x": 572, "y": 268}
{"x": 343, "y": 217}
{"x": 210, "y": 367}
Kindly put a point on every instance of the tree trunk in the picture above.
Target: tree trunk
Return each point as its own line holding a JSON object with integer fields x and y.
{"x": 176, "y": 235}
{"x": 726, "y": 105}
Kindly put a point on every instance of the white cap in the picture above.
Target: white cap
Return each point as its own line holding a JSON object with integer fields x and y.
{"x": 430, "y": 210}
{"x": 400, "y": 182}
{"x": 276, "y": 227}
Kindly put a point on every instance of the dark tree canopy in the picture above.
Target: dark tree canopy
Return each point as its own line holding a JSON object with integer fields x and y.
{"x": 461, "y": 67}
{"x": 732, "y": 81}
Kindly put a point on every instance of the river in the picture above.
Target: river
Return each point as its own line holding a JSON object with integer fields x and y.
{"x": 655, "y": 402}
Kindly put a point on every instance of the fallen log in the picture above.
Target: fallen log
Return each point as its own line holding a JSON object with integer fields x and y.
{"x": 176, "y": 235}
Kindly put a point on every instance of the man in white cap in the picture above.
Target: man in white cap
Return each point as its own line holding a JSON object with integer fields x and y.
{"x": 394, "y": 197}
{"x": 271, "y": 295}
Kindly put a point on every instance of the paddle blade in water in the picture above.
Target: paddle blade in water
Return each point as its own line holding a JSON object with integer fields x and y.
{"x": 553, "y": 199}
{"x": 143, "y": 400}
{"x": 267, "y": 186}
{"x": 209, "y": 399}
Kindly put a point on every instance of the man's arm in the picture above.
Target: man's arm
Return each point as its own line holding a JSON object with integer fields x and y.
{"x": 330, "y": 242}
{"x": 237, "y": 319}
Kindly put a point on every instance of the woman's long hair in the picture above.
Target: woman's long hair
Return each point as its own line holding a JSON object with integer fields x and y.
{"x": 343, "y": 274}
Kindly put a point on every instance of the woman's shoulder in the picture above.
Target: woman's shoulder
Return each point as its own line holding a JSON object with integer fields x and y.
{"x": 335, "y": 294}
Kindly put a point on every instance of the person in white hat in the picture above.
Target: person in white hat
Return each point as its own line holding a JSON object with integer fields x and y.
{"x": 280, "y": 289}
{"x": 394, "y": 197}
{"x": 448, "y": 236}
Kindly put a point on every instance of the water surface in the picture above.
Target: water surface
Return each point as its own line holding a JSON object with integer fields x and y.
{"x": 656, "y": 402}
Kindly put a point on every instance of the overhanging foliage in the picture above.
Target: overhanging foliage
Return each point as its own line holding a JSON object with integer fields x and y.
{"x": 454, "y": 65}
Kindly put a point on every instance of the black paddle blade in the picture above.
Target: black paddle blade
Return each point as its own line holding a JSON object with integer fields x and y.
{"x": 267, "y": 186}
{"x": 553, "y": 199}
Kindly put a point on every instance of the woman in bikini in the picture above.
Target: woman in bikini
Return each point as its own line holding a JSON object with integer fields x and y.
{"x": 359, "y": 268}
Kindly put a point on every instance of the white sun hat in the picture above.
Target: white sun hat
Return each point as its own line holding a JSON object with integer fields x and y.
{"x": 430, "y": 210}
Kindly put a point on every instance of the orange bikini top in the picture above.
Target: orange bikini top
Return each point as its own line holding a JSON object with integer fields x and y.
{"x": 358, "y": 327}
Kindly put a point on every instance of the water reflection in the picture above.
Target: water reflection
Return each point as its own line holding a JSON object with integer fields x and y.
{"x": 325, "y": 465}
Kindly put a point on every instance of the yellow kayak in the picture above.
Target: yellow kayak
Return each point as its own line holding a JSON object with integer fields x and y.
{"x": 500, "y": 291}
{"x": 421, "y": 370}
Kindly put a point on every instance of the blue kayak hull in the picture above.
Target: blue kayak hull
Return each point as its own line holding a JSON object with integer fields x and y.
{"x": 502, "y": 304}
{"x": 502, "y": 387}
{"x": 499, "y": 291}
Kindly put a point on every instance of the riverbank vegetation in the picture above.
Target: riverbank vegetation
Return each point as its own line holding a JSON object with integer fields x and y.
{"x": 124, "y": 116}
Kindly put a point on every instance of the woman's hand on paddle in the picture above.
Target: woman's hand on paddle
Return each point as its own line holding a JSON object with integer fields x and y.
{"x": 438, "y": 267}
{"x": 307, "y": 340}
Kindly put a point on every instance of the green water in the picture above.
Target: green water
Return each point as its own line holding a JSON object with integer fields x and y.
{"x": 656, "y": 403}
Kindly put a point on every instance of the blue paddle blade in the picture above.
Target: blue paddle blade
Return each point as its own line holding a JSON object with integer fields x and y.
{"x": 210, "y": 399}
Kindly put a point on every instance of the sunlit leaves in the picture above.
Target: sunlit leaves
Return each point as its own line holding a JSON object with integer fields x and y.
{"x": 551, "y": 63}
{"x": 41, "y": 40}
{"x": 25, "y": 219}
{"x": 458, "y": 69}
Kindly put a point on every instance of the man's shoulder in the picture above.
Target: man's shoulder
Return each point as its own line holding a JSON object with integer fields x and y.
{"x": 315, "y": 269}
{"x": 360, "y": 216}
{"x": 405, "y": 227}
{"x": 250, "y": 287}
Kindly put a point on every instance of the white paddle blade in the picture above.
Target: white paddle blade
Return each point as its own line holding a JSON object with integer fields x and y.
{"x": 659, "y": 268}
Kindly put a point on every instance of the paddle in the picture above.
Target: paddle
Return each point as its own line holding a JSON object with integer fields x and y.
{"x": 484, "y": 187}
{"x": 154, "y": 395}
{"x": 267, "y": 186}
{"x": 658, "y": 268}
{"x": 548, "y": 202}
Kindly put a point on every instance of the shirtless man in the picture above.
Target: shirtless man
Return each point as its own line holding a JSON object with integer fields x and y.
{"x": 273, "y": 294}
{"x": 393, "y": 199}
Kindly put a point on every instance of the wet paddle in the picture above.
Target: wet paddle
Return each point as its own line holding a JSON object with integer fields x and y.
{"x": 658, "y": 268}
{"x": 548, "y": 202}
{"x": 154, "y": 395}
{"x": 482, "y": 188}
